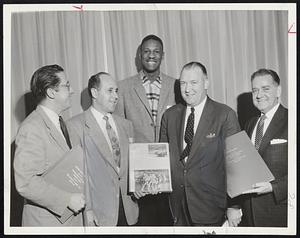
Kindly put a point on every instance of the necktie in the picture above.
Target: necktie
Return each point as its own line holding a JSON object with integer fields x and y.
{"x": 259, "y": 131}
{"x": 114, "y": 141}
{"x": 189, "y": 134}
{"x": 64, "y": 131}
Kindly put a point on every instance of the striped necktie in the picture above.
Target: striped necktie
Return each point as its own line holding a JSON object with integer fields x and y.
{"x": 259, "y": 131}
{"x": 114, "y": 141}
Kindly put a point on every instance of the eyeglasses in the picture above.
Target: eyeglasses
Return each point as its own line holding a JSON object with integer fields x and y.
{"x": 67, "y": 85}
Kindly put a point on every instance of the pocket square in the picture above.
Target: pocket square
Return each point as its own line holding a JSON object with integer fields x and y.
{"x": 211, "y": 135}
{"x": 277, "y": 141}
{"x": 168, "y": 106}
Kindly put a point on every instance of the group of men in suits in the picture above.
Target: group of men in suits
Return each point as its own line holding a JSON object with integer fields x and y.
{"x": 142, "y": 109}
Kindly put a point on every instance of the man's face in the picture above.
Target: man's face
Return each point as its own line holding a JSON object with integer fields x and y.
{"x": 265, "y": 93}
{"x": 63, "y": 93}
{"x": 106, "y": 97}
{"x": 151, "y": 55}
{"x": 193, "y": 86}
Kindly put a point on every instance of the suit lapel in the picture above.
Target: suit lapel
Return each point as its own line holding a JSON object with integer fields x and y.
{"x": 54, "y": 133}
{"x": 203, "y": 125}
{"x": 251, "y": 126}
{"x": 141, "y": 93}
{"x": 179, "y": 125}
{"x": 164, "y": 93}
{"x": 95, "y": 132}
{"x": 272, "y": 129}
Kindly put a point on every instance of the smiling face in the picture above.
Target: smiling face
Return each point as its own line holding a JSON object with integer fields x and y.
{"x": 106, "y": 97}
{"x": 193, "y": 86}
{"x": 265, "y": 92}
{"x": 151, "y": 55}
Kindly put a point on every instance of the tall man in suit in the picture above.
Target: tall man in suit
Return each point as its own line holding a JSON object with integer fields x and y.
{"x": 196, "y": 132}
{"x": 41, "y": 142}
{"x": 105, "y": 139}
{"x": 143, "y": 99}
{"x": 266, "y": 203}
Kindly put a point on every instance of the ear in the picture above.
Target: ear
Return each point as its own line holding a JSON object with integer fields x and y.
{"x": 279, "y": 91}
{"x": 206, "y": 83}
{"x": 163, "y": 55}
{"x": 94, "y": 92}
{"x": 50, "y": 93}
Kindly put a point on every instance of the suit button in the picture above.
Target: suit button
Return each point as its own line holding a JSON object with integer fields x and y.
{"x": 184, "y": 171}
{"x": 181, "y": 185}
{"x": 152, "y": 124}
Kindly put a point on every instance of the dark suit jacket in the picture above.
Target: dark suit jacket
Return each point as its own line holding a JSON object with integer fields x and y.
{"x": 202, "y": 178}
{"x": 270, "y": 209}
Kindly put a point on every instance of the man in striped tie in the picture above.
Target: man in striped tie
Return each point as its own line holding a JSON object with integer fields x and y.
{"x": 105, "y": 139}
{"x": 266, "y": 204}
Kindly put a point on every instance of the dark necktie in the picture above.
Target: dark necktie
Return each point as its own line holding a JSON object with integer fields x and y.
{"x": 189, "y": 134}
{"x": 259, "y": 131}
{"x": 64, "y": 131}
{"x": 114, "y": 141}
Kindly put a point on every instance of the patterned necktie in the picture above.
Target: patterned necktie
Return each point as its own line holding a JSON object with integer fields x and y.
{"x": 64, "y": 131}
{"x": 189, "y": 134}
{"x": 259, "y": 131}
{"x": 114, "y": 141}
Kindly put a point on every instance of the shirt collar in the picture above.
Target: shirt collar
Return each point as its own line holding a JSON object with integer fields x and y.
{"x": 51, "y": 114}
{"x": 145, "y": 79}
{"x": 270, "y": 113}
{"x": 98, "y": 114}
{"x": 199, "y": 106}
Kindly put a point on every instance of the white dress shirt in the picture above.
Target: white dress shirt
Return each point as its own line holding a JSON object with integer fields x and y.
{"x": 198, "y": 112}
{"x": 54, "y": 118}
{"x": 269, "y": 115}
{"x": 102, "y": 123}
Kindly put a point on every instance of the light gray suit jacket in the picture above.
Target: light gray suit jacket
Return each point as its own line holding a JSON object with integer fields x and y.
{"x": 134, "y": 106}
{"x": 104, "y": 179}
{"x": 39, "y": 145}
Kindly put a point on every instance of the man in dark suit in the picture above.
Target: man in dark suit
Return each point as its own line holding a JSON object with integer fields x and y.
{"x": 143, "y": 98}
{"x": 266, "y": 204}
{"x": 196, "y": 133}
{"x": 105, "y": 139}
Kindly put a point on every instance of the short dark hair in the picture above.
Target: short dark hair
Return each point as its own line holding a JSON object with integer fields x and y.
{"x": 194, "y": 64}
{"x": 44, "y": 78}
{"x": 95, "y": 81}
{"x": 263, "y": 71}
{"x": 152, "y": 37}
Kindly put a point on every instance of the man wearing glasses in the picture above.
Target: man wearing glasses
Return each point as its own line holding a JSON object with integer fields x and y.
{"x": 42, "y": 140}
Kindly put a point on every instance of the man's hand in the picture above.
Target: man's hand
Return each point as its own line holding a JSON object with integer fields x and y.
{"x": 77, "y": 203}
{"x": 234, "y": 216}
{"x": 91, "y": 218}
{"x": 139, "y": 194}
{"x": 260, "y": 188}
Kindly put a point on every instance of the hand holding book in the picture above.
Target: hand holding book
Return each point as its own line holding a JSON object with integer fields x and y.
{"x": 77, "y": 203}
{"x": 260, "y": 188}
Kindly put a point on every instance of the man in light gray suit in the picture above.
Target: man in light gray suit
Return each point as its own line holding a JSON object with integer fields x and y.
{"x": 41, "y": 142}
{"x": 105, "y": 139}
{"x": 143, "y": 98}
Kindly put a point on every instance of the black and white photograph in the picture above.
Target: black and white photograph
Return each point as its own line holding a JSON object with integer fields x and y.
{"x": 148, "y": 180}
{"x": 179, "y": 79}
{"x": 159, "y": 150}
